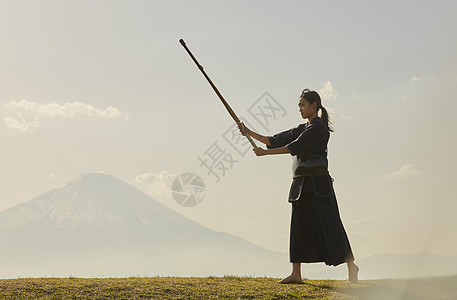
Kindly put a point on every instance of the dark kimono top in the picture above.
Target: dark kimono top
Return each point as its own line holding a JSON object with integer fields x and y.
{"x": 303, "y": 140}
{"x": 308, "y": 138}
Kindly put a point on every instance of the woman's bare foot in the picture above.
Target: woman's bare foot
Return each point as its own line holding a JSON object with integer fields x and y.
{"x": 293, "y": 278}
{"x": 353, "y": 272}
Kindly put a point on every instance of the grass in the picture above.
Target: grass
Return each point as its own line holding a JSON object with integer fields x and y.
{"x": 223, "y": 288}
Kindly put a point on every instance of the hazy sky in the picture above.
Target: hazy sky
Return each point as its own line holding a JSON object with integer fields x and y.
{"x": 88, "y": 86}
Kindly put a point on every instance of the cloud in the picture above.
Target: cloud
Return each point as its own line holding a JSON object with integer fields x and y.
{"x": 327, "y": 92}
{"x": 414, "y": 79}
{"x": 334, "y": 113}
{"x": 158, "y": 186}
{"x": 407, "y": 170}
{"x": 424, "y": 79}
{"x": 19, "y": 124}
{"x": 346, "y": 117}
{"x": 354, "y": 96}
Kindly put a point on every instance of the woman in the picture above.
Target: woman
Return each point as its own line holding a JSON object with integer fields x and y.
{"x": 316, "y": 232}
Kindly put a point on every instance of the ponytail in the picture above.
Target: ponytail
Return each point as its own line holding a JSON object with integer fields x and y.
{"x": 326, "y": 119}
{"x": 313, "y": 97}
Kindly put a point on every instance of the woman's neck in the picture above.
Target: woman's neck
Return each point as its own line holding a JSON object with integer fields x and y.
{"x": 313, "y": 116}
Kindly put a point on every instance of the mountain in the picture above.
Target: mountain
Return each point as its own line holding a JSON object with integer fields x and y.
{"x": 97, "y": 225}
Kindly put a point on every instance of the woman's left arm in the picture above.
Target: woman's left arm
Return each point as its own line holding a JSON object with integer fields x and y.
{"x": 261, "y": 152}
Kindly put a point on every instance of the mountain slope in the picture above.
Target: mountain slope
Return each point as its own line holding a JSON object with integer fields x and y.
{"x": 98, "y": 224}
{"x": 97, "y": 200}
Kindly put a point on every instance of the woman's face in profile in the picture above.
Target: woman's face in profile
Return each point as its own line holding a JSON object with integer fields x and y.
{"x": 305, "y": 108}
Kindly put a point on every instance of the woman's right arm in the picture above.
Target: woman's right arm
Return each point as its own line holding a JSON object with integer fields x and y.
{"x": 246, "y": 131}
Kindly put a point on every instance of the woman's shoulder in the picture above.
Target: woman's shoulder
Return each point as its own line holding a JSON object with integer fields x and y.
{"x": 300, "y": 128}
{"x": 318, "y": 123}
{"x": 315, "y": 124}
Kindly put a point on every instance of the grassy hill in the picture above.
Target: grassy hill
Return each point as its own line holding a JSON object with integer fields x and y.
{"x": 224, "y": 288}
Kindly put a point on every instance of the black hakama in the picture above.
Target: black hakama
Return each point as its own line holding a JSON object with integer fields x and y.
{"x": 316, "y": 231}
